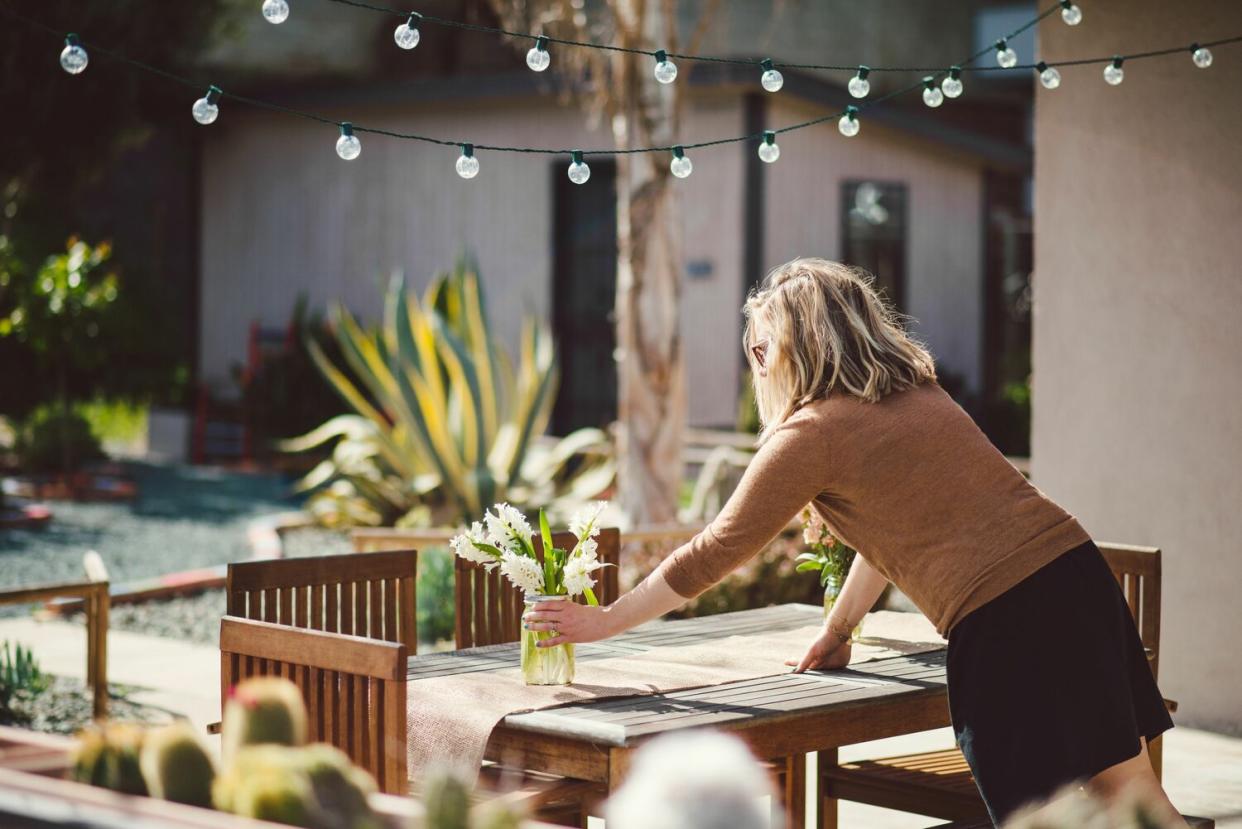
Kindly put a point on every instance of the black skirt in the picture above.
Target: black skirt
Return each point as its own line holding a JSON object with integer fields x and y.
{"x": 1049, "y": 683}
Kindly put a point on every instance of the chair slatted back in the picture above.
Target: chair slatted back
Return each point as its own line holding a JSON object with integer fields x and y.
{"x": 354, "y": 688}
{"x": 370, "y": 595}
{"x": 1137, "y": 570}
{"x": 489, "y": 609}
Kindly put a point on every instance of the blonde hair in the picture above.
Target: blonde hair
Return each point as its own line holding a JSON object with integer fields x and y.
{"x": 828, "y": 330}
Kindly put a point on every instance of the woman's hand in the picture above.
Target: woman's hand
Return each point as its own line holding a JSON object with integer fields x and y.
{"x": 826, "y": 653}
{"x": 572, "y": 622}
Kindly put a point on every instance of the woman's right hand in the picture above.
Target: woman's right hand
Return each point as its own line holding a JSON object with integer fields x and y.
{"x": 826, "y": 653}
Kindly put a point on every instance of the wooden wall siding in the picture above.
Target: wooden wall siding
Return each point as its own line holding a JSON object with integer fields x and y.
{"x": 371, "y": 595}
{"x": 354, "y": 688}
{"x": 489, "y": 609}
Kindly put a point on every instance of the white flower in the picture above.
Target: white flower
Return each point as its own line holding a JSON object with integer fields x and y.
{"x": 524, "y": 572}
{"x": 507, "y": 528}
{"x": 582, "y": 525}
{"x": 578, "y": 572}
{"x": 464, "y": 546}
{"x": 587, "y": 547}
{"x": 692, "y": 780}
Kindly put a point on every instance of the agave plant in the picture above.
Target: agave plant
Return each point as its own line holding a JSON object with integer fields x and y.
{"x": 444, "y": 424}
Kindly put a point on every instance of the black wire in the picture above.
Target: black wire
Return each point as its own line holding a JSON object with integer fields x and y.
{"x": 859, "y": 107}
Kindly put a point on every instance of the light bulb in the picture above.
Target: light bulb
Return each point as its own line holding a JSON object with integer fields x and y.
{"x": 538, "y": 58}
{"x": 952, "y": 85}
{"x": 579, "y": 172}
{"x": 1048, "y": 75}
{"x": 1113, "y": 73}
{"x": 73, "y": 57}
{"x": 771, "y": 80}
{"x": 348, "y": 146}
{"x": 848, "y": 125}
{"x": 769, "y": 150}
{"x": 275, "y": 11}
{"x": 1070, "y": 13}
{"x": 1006, "y": 57}
{"x": 859, "y": 86}
{"x": 665, "y": 69}
{"x": 467, "y": 164}
{"x": 932, "y": 96}
{"x": 680, "y": 166}
{"x": 1201, "y": 55}
{"x": 205, "y": 110}
{"x": 406, "y": 35}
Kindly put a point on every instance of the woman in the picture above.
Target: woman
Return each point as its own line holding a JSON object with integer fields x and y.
{"x": 1048, "y": 681}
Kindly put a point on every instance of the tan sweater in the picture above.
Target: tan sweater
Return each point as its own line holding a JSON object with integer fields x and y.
{"x": 910, "y": 483}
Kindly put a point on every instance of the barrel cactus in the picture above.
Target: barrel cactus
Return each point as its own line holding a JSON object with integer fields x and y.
{"x": 264, "y": 710}
{"x": 108, "y": 756}
{"x": 446, "y": 798}
{"x": 175, "y": 765}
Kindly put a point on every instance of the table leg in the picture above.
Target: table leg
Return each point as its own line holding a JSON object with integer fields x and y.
{"x": 825, "y": 759}
{"x": 793, "y": 794}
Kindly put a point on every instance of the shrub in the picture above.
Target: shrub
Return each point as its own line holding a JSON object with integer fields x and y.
{"x": 52, "y": 439}
{"x": 20, "y": 679}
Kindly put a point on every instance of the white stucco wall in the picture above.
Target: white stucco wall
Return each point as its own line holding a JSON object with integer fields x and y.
{"x": 944, "y": 280}
{"x": 1138, "y": 286}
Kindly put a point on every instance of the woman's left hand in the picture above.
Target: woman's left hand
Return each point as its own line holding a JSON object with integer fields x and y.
{"x": 572, "y": 622}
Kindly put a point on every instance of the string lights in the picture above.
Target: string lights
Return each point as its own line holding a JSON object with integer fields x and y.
{"x": 206, "y": 109}
{"x": 680, "y": 166}
{"x": 1113, "y": 73}
{"x": 859, "y": 86}
{"x": 275, "y": 11}
{"x": 73, "y": 57}
{"x": 406, "y": 35}
{"x": 74, "y": 60}
{"x": 769, "y": 150}
{"x": 348, "y": 146}
{"x": 771, "y": 79}
{"x": 538, "y": 58}
{"x": 467, "y": 164}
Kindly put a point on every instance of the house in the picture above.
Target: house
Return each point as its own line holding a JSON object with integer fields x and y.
{"x": 934, "y": 202}
{"x": 1137, "y": 423}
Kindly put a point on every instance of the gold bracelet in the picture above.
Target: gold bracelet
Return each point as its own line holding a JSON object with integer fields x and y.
{"x": 845, "y": 633}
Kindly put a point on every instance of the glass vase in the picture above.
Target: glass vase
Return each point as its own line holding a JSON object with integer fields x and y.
{"x": 545, "y": 666}
{"x": 832, "y": 591}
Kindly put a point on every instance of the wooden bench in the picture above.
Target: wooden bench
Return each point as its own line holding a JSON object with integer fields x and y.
{"x": 939, "y": 783}
{"x": 95, "y": 603}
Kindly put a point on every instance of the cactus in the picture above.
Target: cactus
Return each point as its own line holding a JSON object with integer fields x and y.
{"x": 176, "y": 766}
{"x": 497, "y": 814}
{"x": 340, "y": 787}
{"x": 446, "y": 798}
{"x": 264, "y": 710}
{"x": 108, "y": 757}
{"x": 313, "y": 786}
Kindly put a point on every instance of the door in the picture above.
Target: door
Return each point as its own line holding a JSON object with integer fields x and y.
{"x": 583, "y": 296}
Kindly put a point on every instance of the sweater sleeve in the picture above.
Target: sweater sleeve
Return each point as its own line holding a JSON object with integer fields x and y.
{"x": 786, "y": 473}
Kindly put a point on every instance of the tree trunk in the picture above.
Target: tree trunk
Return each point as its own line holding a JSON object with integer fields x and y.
{"x": 650, "y": 370}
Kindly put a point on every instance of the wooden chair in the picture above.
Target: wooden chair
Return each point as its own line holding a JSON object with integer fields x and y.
{"x": 939, "y": 783}
{"x": 370, "y": 595}
{"x": 354, "y": 688}
{"x": 96, "y": 601}
{"x": 489, "y": 609}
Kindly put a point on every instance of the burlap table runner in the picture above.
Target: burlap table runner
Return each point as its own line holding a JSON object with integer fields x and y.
{"x": 451, "y": 717}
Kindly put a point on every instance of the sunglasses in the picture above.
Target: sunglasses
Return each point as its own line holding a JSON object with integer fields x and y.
{"x": 760, "y": 352}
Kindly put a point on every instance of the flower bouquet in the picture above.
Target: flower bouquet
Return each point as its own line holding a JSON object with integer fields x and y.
{"x": 828, "y": 555}
{"x": 505, "y": 540}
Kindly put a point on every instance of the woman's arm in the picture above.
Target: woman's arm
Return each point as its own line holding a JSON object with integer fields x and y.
{"x": 651, "y": 599}
{"x": 862, "y": 589}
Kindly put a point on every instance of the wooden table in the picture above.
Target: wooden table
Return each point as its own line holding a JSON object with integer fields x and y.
{"x": 777, "y": 716}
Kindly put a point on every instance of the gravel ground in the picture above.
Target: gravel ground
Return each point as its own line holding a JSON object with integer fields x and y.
{"x": 65, "y": 708}
{"x": 184, "y": 518}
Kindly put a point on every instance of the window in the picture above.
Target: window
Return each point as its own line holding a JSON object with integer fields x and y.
{"x": 873, "y": 233}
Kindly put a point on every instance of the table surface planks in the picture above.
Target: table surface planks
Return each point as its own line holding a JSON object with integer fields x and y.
{"x": 623, "y": 722}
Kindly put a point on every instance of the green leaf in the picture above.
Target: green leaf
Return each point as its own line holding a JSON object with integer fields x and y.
{"x": 806, "y": 567}
{"x": 546, "y": 532}
{"x": 590, "y": 597}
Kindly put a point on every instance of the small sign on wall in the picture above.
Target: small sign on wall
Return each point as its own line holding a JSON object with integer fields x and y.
{"x": 700, "y": 269}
